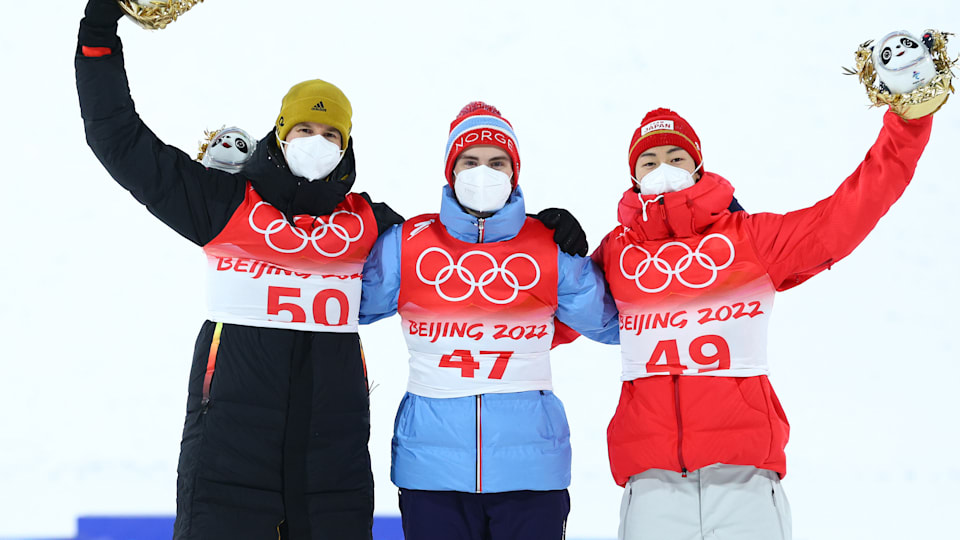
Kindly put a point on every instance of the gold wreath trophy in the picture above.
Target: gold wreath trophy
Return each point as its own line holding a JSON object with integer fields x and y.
{"x": 924, "y": 100}
{"x": 156, "y": 14}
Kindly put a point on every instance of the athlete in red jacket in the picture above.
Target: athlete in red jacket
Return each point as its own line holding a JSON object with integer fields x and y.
{"x": 698, "y": 436}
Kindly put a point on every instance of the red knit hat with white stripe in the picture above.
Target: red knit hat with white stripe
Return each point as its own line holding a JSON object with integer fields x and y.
{"x": 480, "y": 124}
{"x": 663, "y": 127}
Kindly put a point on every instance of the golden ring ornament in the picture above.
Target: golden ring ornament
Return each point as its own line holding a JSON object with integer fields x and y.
{"x": 926, "y": 99}
{"x": 156, "y": 14}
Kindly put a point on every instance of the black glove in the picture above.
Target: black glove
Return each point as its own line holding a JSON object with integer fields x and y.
{"x": 567, "y": 232}
{"x": 99, "y": 25}
{"x": 386, "y": 217}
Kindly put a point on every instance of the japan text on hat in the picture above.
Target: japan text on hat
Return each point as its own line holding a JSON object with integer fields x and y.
{"x": 663, "y": 127}
{"x": 315, "y": 101}
{"x": 480, "y": 124}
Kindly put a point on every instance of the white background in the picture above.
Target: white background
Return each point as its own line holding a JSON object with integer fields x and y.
{"x": 101, "y": 302}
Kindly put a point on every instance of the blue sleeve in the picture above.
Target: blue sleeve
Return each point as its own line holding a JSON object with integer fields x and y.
{"x": 584, "y": 301}
{"x": 381, "y": 277}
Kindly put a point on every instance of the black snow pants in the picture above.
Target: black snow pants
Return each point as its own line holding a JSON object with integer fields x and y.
{"x": 275, "y": 438}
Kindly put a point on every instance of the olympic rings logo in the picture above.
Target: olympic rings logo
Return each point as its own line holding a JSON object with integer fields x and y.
{"x": 487, "y": 277}
{"x": 655, "y": 263}
{"x": 302, "y": 237}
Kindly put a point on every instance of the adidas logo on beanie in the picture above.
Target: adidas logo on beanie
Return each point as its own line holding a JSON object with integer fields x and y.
{"x": 315, "y": 101}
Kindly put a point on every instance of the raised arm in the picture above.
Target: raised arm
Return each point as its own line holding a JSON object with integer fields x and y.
{"x": 800, "y": 244}
{"x": 192, "y": 200}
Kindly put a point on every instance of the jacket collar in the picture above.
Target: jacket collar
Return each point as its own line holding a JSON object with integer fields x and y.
{"x": 503, "y": 225}
{"x": 272, "y": 179}
{"x": 680, "y": 214}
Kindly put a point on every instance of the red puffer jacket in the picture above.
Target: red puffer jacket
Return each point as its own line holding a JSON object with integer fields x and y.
{"x": 694, "y": 285}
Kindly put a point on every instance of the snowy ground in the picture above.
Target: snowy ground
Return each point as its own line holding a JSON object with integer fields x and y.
{"x": 102, "y": 303}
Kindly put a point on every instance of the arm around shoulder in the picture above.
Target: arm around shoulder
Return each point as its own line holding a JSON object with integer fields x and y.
{"x": 381, "y": 277}
{"x": 584, "y": 302}
{"x": 386, "y": 217}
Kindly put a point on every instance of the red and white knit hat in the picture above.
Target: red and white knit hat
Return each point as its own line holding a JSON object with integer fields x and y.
{"x": 663, "y": 127}
{"x": 480, "y": 124}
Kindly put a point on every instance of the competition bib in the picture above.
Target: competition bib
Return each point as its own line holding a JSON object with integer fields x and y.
{"x": 264, "y": 271}
{"x": 713, "y": 301}
{"x": 477, "y": 318}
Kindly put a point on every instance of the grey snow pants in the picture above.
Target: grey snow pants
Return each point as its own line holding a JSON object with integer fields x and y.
{"x": 718, "y": 502}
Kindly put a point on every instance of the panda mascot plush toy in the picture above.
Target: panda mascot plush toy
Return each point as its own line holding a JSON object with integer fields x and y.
{"x": 903, "y": 63}
{"x": 227, "y": 149}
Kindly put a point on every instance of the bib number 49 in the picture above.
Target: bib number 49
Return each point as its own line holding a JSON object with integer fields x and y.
{"x": 464, "y": 361}
{"x": 708, "y": 353}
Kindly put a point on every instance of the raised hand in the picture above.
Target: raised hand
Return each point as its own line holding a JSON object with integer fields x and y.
{"x": 98, "y": 29}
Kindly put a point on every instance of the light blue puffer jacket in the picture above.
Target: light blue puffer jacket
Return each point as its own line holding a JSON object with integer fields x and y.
{"x": 492, "y": 442}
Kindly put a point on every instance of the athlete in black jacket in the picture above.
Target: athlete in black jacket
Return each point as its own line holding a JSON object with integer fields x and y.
{"x": 275, "y": 437}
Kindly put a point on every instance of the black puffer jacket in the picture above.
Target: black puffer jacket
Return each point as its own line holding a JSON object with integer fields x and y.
{"x": 279, "y": 444}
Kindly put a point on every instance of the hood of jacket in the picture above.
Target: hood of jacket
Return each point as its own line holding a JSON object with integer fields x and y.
{"x": 503, "y": 225}
{"x": 680, "y": 214}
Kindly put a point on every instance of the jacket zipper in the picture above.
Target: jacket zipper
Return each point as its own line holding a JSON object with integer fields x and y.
{"x": 479, "y": 398}
{"x": 676, "y": 401}
{"x": 211, "y": 367}
{"x": 479, "y": 449}
{"x": 663, "y": 214}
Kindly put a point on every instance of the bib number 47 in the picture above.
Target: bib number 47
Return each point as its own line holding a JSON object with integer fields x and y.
{"x": 464, "y": 360}
{"x": 708, "y": 353}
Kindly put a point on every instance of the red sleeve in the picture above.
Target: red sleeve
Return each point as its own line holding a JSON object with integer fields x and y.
{"x": 800, "y": 244}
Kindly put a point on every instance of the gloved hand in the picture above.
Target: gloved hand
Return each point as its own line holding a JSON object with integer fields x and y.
{"x": 99, "y": 25}
{"x": 567, "y": 232}
{"x": 386, "y": 217}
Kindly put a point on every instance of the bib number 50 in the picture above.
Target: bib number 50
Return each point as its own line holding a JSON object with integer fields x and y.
{"x": 275, "y": 306}
{"x": 708, "y": 353}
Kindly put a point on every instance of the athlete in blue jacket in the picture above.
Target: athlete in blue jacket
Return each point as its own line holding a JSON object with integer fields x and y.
{"x": 481, "y": 445}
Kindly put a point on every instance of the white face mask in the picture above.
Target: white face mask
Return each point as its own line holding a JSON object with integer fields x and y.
{"x": 665, "y": 179}
{"x": 311, "y": 157}
{"x": 482, "y": 189}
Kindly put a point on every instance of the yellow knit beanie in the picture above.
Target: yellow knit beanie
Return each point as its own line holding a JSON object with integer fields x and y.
{"x": 315, "y": 101}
